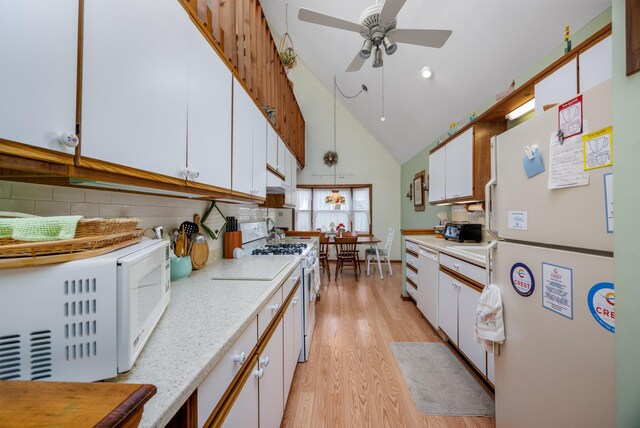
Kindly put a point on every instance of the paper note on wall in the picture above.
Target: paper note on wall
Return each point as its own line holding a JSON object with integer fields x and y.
{"x": 566, "y": 162}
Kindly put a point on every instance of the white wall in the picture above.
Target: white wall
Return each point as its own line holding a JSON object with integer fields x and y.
{"x": 359, "y": 152}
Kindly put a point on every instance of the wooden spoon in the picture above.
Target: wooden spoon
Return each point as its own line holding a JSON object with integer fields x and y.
{"x": 180, "y": 246}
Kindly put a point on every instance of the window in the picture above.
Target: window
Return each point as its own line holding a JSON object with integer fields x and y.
{"x": 355, "y": 214}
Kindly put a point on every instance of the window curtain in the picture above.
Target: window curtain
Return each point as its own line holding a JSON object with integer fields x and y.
{"x": 354, "y": 214}
{"x": 361, "y": 215}
{"x": 325, "y": 214}
{"x": 303, "y": 210}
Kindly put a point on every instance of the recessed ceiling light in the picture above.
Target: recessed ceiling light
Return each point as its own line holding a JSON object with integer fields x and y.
{"x": 427, "y": 72}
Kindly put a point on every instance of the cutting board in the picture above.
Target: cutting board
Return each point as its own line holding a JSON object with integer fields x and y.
{"x": 250, "y": 268}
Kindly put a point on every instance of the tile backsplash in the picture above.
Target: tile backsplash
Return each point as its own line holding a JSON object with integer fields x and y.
{"x": 460, "y": 213}
{"x": 168, "y": 212}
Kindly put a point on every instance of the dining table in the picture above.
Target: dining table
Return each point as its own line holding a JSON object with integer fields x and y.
{"x": 370, "y": 240}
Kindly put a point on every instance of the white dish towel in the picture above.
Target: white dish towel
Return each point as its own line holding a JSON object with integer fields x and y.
{"x": 489, "y": 325}
{"x": 316, "y": 277}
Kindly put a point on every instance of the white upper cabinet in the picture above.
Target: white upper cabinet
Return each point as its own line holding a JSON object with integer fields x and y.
{"x": 209, "y": 114}
{"x": 459, "y": 166}
{"x": 437, "y": 165}
{"x": 282, "y": 156}
{"x": 135, "y": 84}
{"x": 243, "y": 116}
{"x": 272, "y": 147}
{"x": 38, "y": 50}
{"x": 558, "y": 87}
{"x": 259, "y": 154}
{"x": 595, "y": 64}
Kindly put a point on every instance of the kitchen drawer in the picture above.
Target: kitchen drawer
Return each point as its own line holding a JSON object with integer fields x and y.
{"x": 290, "y": 283}
{"x": 412, "y": 260}
{"x": 218, "y": 380}
{"x": 412, "y": 246}
{"x": 269, "y": 310}
{"x": 471, "y": 271}
{"x": 411, "y": 290}
{"x": 412, "y": 276}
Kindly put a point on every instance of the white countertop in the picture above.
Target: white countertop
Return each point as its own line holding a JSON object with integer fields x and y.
{"x": 202, "y": 321}
{"x": 474, "y": 253}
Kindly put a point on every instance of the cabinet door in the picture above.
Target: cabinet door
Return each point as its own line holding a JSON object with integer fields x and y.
{"x": 596, "y": 64}
{"x": 459, "y": 166}
{"x": 560, "y": 86}
{"x": 468, "y": 303}
{"x": 290, "y": 359}
{"x": 259, "y": 154}
{"x": 38, "y": 47}
{"x": 437, "y": 167}
{"x": 243, "y": 116}
{"x": 491, "y": 375}
{"x": 244, "y": 412}
{"x": 448, "y": 305}
{"x": 282, "y": 154}
{"x": 272, "y": 147}
{"x": 209, "y": 124}
{"x": 134, "y": 92}
{"x": 297, "y": 324}
{"x": 271, "y": 387}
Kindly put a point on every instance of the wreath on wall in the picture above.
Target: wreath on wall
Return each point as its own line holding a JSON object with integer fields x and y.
{"x": 330, "y": 158}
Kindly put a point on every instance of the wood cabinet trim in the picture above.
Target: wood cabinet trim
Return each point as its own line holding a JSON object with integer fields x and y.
{"x": 463, "y": 279}
{"x": 417, "y": 231}
{"x": 13, "y": 148}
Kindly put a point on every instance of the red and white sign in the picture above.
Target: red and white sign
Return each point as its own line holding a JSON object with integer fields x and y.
{"x": 570, "y": 117}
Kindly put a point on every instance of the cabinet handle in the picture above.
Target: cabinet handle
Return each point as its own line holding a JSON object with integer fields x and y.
{"x": 275, "y": 308}
{"x": 240, "y": 358}
{"x": 185, "y": 172}
{"x": 456, "y": 266}
{"x": 264, "y": 362}
{"x": 295, "y": 300}
{"x": 68, "y": 139}
{"x": 194, "y": 174}
{"x": 258, "y": 373}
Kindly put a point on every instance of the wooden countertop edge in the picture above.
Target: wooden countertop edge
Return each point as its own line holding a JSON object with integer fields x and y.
{"x": 129, "y": 406}
{"x": 418, "y": 231}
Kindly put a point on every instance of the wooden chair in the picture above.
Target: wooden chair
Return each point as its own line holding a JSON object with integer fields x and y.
{"x": 347, "y": 234}
{"x": 324, "y": 254}
{"x": 347, "y": 254}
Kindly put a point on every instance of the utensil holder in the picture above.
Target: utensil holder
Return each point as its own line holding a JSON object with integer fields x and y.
{"x": 180, "y": 267}
{"x": 231, "y": 240}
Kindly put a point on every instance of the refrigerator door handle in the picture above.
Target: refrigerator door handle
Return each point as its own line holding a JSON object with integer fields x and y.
{"x": 490, "y": 247}
{"x": 487, "y": 189}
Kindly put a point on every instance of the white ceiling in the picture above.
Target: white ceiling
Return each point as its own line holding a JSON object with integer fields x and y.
{"x": 493, "y": 42}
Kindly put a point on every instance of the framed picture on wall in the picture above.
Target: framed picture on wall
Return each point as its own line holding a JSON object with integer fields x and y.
{"x": 633, "y": 36}
{"x": 418, "y": 191}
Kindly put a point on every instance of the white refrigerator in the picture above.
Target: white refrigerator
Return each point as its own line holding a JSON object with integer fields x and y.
{"x": 553, "y": 264}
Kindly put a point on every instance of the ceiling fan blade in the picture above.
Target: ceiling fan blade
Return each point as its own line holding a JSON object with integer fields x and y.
{"x": 429, "y": 38}
{"x": 356, "y": 64}
{"x": 390, "y": 10}
{"x": 328, "y": 20}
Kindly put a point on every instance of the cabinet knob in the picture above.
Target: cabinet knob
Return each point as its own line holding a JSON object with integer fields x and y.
{"x": 295, "y": 300}
{"x": 264, "y": 362}
{"x": 258, "y": 373}
{"x": 68, "y": 139}
{"x": 194, "y": 174}
{"x": 240, "y": 358}
{"x": 275, "y": 308}
{"x": 456, "y": 266}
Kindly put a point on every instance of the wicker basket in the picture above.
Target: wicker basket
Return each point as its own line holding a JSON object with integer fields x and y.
{"x": 93, "y": 236}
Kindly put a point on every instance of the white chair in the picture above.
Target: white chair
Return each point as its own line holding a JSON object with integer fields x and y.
{"x": 378, "y": 253}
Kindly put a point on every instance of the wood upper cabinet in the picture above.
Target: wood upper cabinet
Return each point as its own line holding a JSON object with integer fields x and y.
{"x": 209, "y": 114}
{"x": 38, "y": 48}
{"x": 461, "y": 167}
{"x": 135, "y": 84}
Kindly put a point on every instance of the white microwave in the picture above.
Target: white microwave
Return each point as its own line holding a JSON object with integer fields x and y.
{"x": 83, "y": 320}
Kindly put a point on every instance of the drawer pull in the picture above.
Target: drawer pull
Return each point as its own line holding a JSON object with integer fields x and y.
{"x": 264, "y": 362}
{"x": 240, "y": 359}
{"x": 456, "y": 266}
{"x": 258, "y": 373}
{"x": 275, "y": 308}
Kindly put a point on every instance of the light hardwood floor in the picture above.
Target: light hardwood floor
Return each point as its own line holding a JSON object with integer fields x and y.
{"x": 352, "y": 379}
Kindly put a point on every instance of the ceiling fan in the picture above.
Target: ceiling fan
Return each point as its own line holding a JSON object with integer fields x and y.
{"x": 378, "y": 27}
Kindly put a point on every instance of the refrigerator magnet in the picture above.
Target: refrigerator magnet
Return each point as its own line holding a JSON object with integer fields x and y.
{"x": 522, "y": 279}
{"x": 601, "y": 301}
{"x": 557, "y": 289}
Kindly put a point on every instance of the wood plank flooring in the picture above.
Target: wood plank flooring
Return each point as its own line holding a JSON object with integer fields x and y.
{"x": 352, "y": 379}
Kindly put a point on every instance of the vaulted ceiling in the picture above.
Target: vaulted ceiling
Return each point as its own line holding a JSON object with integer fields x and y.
{"x": 493, "y": 42}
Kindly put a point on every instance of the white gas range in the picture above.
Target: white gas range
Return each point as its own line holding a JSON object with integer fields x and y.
{"x": 254, "y": 242}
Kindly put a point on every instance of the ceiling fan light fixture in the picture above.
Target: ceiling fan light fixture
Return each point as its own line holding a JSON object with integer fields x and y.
{"x": 377, "y": 58}
{"x": 427, "y": 72}
{"x": 390, "y": 47}
{"x": 365, "y": 52}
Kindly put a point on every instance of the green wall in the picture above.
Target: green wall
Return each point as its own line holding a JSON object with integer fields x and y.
{"x": 626, "y": 134}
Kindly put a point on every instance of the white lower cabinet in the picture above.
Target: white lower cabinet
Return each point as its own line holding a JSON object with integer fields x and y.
{"x": 292, "y": 331}
{"x": 218, "y": 380}
{"x": 271, "y": 385}
{"x": 457, "y": 304}
{"x": 491, "y": 374}
{"x": 244, "y": 412}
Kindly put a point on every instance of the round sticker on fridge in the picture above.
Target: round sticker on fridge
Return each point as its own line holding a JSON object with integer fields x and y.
{"x": 601, "y": 300}
{"x": 522, "y": 279}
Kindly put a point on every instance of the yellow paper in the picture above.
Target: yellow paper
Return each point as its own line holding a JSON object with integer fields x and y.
{"x": 597, "y": 148}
